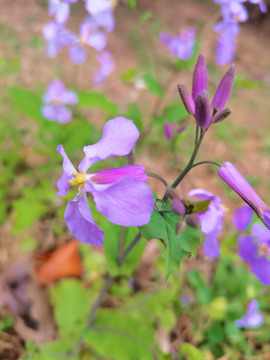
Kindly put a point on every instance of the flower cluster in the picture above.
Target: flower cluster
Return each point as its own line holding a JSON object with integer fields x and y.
{"x": 233, "y": 12}
{"x": 198, "y": 104}
{"x": 92, "y": 33}
{"x": 182, "y": 45}
{"x": 120, "y": 194}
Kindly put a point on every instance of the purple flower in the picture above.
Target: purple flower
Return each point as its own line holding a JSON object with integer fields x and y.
{"x": 255, "y": 250}
{"x": 211, "y": 221}
{"x": 199, "y": 101}
{"x": 60, "y": 9}
{"x": 106, "y": 67}
{"x": 238, "y": 183}
{"x": 95, "y": 7}
{"x": 182, "y": 45}
{"x": 120, "y": 193}
{"x": 55, "y": 98}
{"x": 172, "y": 129}
{"x": 56, "y": 37}
{"x": 253, "y": 318}
{"x": 242, "y": 217}
{"x": 233, "y": 9}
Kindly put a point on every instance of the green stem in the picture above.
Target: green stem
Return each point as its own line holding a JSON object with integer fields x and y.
{"x": 125, "y": 253}
{"x": 158, "y": 177}
{"x": 207, "y": 162}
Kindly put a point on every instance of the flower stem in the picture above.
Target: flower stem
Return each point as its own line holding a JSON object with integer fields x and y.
{"x": 207, "y": 162}
{"x": 125, "y": 253}
{"x": 158, "y": 177}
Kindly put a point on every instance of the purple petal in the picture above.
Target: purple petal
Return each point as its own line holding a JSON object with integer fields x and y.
{"x": 247, "y": 248}
{"x": 225, "y": 51}
{"x": 165, "y": 38}
{"x": 106, "y": 67}
{"x": 110, "y": 176}
{"x": 210, "y": 246}
{"x": 167, "y": 130}
{"x": 128, "y": 202}
{"x": 106, "y": 20}
{"x": 55, "y": 91}
{"x": 49, "y": 112}
{"x": 261, "y": 269}
{"x": 62, "y": 13}
{"x": 221, "y": 115}
{"x": 118, "y": 138}
{"x": 242, "y": 217}
{"x": 224, "y": 89}
{"x": 210, "y": 219}
{"x": 253, "y": 318}
{"x": 199, "y": 83}
{"x": 63, "y": 183}
{"x": 94, "y": 7}
{"x": 70, "y": 97}
{"x": 77, "y": 54}
{"x": 201, "y": 193}
{"x": 97, "y": 40}
{"x": 81, "y": 223}
{"x": 178, "y": 207}
{"x": 186, "y": 99}
{"x": 260, "y": 233}
{"x": 63, "y": 114}
{"x": 202, "y": 110}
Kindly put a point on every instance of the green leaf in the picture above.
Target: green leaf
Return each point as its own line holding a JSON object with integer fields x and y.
{"x": 179, "y": 246}
{"x": 145, "y": 16}
{"x": 120, "y": 336}
{"x": 156, "y": 228}
{"x": 71, "y": 304}
{"x": 27, "y": 102}
{"x": 132, "y": 3}
{"x": 129, "y": 75}
{"x": 96, "y": 100}
{"x": 6, "y": 322}
{"x": 153, "y": 85}
{"x": 174, "y": 112}
{"x": 134, "y": 114}
{"x": 193, "y": 207}
{"x": 191, "y": 352}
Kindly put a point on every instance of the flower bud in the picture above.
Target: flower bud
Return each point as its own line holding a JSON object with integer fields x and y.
{"x": 202, "y": 110}
{"x": 186, "y": 99}
{"x": 221, "y": 115}
{"x": 224, "y": 89}
{"x": 199, "y": 82}
{"x": 193, "y": 220}
{"x": 178, "y": 207}
{"x": 167, "y": 130}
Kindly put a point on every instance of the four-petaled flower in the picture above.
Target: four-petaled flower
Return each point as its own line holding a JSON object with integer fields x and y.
{"x": 253, "y": 318}
{"x": 182, "y": 45}
{"x": 211, "y": 221}
{"x": 55, "y": 98}
{"x": 120, "y": 194}
{"x": 60, "y": 9}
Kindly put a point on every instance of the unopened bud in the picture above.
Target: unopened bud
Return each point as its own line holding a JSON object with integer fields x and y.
{"x": 186, "y": 99}
{"x": 193, "y": 220}
{"x": 199, "y": 82}
{"x": 224, "y": 89}
{"x": 180, "y": 227}
{"x": 202, "y": 110}
{"x": 178, "y": 207}
{"x": 221, "y": 115}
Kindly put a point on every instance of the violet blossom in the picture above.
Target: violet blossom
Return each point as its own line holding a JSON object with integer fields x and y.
{"x": 253, "y": 318}
{"x": 182, "y": 45}
{"x": 255, "y": 250}
{"x": 54, "y": 100}
{"x": 60, "y": 9}
{"x": 120, "y": 194}
{"x": 56, "y": 37}
{"x": 106, "y": 67}
{"x": 172, "y": 130}
{"x": 238, "y": 183}
{"x": 211, "y": 221}
{"x": 242, "y": 217}
{"x": 198, "y": 104}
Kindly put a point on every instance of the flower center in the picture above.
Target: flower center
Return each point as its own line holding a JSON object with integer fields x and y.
{"x": 78, "y": 181}
{"x": 263, "y": 249}
{"x": 56, "y": 101}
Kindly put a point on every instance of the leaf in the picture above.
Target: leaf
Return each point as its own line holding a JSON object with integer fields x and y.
{"x": 134, "y": 114}
{"x": 96, "y": 100}
{"x": 71, "y": 304}
{"x": 145, "y": 16}
{"x": 156, "y": 228}
{"x": 120, "y": 336}
{"x": 27, "y": 102}
{"x": 153, "y": 85}
{"x": 179, "y": 246}
{"x": 27, "y": 211}
{"x": 191, "y": 352}
{"x": 174, "y": 112}
{"x": 63, "y": 262}
{"x": 193, "y": 207}
{"x": 129, "y": 75}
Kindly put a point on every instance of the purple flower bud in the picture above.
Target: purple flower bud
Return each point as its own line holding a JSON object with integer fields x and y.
{"x": 178, "y": 207}
{"x": 167, "y": 130}
{"x": 199, "y": 82}
{"x": 186, "y": 99}
{"x": 193, "y": 221}
{"x": 224, "y": 89}
{"x": 221, "y": 115}
{"x": 202, "y": 110}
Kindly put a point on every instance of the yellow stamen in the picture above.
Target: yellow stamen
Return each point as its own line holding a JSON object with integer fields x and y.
{"x": 79, "y": 180}
{"x": 114, "y": 3}
{"x": 263, "y": 249}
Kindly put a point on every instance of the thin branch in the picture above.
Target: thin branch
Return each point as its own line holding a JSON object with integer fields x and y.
{"x": 122, "y": 258}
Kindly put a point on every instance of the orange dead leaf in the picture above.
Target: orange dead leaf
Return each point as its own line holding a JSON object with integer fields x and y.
{"x": 63, "y": 262}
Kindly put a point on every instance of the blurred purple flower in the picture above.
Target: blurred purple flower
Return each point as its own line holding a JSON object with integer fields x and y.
{"x": 233, "y": 9}
{"x": 172, "y": 130}
{"x": 253, "y": 318}
{"x": 60, "y": 9}
{"x": 185, "y": 298}
{"x": 56, "y": 36}
{"x": 242, "y": 217}
{"x": 238, "y": 183}
{"x": 54, "y": 100}
{"x": 106, "y": 67}
{"x": 120, "y": 193}
{"x": 211, "y": 221}
{"x": 95, "y": 7}
{"x": 255, "y": 250}
{"x": 182, "y": 45}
